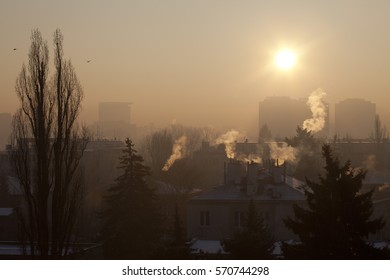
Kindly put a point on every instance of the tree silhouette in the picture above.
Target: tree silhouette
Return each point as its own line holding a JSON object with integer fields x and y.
{"x": 156, "y": 149}
{"x": 48, "y": 146}
{"x": 265, "y": 134}
{"x": 380, "y": 133}
{"x": 308, "y": 147}
{"x": 337, "y": 221}
{"x": 252, "y": 242}
{"x": 132, "y": 223}
{"x": 186, "y": 173}
{"x": 5, "y": 197}
{"x": 303, "y": 137}
{"x": 177, "y": 247}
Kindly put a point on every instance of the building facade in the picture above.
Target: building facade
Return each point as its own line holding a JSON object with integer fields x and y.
{"x": 5, "y": 129}
{"x": 114, "y": 121}
{"x": 283, "y": 114}
{"x": 354, "y": 118}
{"x": 219, "y": 213}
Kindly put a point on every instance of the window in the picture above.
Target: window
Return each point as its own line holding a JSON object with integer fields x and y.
{"x": 238, "y": 219}
{"x": 204, "y": 218}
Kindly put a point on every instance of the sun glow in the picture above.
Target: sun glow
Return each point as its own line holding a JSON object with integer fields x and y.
{"x": 285, "y": 59}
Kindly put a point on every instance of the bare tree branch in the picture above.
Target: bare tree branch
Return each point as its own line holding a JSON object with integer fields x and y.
{"x": 48, "y": 146}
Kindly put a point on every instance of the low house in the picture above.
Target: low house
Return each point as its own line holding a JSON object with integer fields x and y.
{"x": 219, "y": 213}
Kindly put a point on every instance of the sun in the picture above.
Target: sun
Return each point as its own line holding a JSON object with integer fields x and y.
{"x": 285, "y": 59}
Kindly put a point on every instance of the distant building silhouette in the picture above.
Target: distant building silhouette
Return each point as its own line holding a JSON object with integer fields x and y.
{"x": 283, "y": 114}
{"x": 114, "y": 121}
{"x": 114, "y": 112}
{"x": 354, "y": 118}
{"x": 5, "y": 129}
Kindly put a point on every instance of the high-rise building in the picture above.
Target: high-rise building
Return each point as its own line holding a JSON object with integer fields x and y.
{"x": 115, "y": 121}
{"x": 355, "y": 118}
{"x": 5, "y": 129}
{"x": 283, "y": 114}
{"x": 114, "y": 112}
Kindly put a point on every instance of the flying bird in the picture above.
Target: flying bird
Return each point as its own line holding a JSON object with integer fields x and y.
{"x": 88, "y": 61}
{"x": 15, "y": 49}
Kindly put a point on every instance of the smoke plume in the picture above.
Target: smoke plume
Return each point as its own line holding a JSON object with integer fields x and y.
{"x": 229, "y": 139}
{"x": 383, "y": 187}
{"x": 178, "y": 152}
{"x": 282, "y": 152}
{"x": 370, "y": 163}
{"x": 318, "y": 110}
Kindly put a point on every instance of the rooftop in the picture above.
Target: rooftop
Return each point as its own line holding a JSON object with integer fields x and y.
{"x": 6, "y": 211}
{"x": 280, "y": 192}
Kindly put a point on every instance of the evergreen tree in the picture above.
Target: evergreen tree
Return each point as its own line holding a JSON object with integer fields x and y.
{"x": 177, "y": 248}
{"x": 252, "y": 242}
{"x": 132, "y": 222}
{"x": 337, "y": 221}
{"x": 303, "y": 137}
{"x": 308, "y": 150}
{"x": 178, "y": 228}
{"x": 265, "y": 134}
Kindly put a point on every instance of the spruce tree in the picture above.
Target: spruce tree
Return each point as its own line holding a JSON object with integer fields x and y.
{"x": 254, "y": 241}
{"x": 132, "y": 224}
{"x": 337, "y": 220}
{"x": 309, "y": 148}
{"x": 177, "y": 247}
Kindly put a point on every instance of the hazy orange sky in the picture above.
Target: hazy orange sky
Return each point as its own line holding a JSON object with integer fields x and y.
{"x": 205, "y": 62}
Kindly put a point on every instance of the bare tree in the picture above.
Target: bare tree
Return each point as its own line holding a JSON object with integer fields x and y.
{"x": 48, "y": 146}
{"x": 380, "y": 131}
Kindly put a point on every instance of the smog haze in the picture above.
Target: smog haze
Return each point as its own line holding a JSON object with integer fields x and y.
{"x": 205, "y": 63}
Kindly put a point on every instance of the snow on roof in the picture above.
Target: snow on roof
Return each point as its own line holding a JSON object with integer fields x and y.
{"x": 11, "y": 250}
{"x": 214, "y": 247}
{"x": 207, "y": 247}
{"x": 381, "y": 245}
{"x": 271, "y": 192}
{"x": 6, "y": 211}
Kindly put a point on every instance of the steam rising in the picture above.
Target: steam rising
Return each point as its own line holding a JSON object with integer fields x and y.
{"x": 282, "y": 152}
{"x": 370, "y": 163}
{"x": 229, "y": 139}
{"x": 178, "y": 152}
{"x": 318, "y": 109}
{"x": 383, "y": 187}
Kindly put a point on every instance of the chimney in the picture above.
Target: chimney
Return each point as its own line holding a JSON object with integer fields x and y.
{"x": 277, "y": 174}
{"x": 224, "y": 173}
{"x": 252, "y": 170}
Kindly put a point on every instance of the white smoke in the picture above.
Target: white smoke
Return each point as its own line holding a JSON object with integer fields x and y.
{"x": 282, "y": 152}
{"x": 370, "y": 163}
{"x": 318, "y": 110}
{"x": 178, "y": 152}
{"x": 229, "y": 139}
{"x": 383, "y": 187}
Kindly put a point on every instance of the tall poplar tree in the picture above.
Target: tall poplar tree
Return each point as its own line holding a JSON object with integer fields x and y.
{"x": 47, "y": 148}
